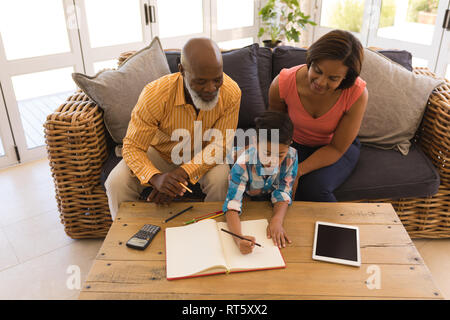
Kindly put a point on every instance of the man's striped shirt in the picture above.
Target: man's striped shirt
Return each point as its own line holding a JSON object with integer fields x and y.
{"x": 161, "y": 109}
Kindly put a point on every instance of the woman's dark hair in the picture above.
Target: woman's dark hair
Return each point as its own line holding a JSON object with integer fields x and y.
{"x": 338, "y": 45}
{"x": 276, "y": 120}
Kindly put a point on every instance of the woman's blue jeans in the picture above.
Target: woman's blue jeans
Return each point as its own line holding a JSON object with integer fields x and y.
{"x": 320, "y": 184}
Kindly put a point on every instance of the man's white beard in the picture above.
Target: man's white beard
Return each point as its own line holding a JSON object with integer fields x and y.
{"x": 199, "y": 103}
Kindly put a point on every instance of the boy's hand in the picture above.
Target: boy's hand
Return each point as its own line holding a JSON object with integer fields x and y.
{"x": 276, "y": 231}
{"x": 245, "y": 246}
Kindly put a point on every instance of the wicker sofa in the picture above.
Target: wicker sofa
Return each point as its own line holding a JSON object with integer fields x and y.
{"x": 77, "y": 144}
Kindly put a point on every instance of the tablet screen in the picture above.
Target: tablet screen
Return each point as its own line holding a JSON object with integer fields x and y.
{"x": 337, "y": 242}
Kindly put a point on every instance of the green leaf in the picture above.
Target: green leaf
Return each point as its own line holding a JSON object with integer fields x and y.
{"x": 295, "y": 35}
{"x": 261, "y": 32}
{"x": 290, "y": 17}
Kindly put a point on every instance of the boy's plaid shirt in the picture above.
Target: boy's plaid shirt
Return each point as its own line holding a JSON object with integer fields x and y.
{"x": 250, "y": 176}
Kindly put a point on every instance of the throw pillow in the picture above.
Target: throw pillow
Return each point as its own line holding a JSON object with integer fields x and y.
{"x": 264, "y": 64}
{"x": 397, "y": 102}
{"x": 173, "y": 59}
{"x": 402, "y": 57}
{"x": 242, "y": 66}
{"x": 287, "y": 57}
{"x": 117, "y": 91}
{"x": 265, "y": 72}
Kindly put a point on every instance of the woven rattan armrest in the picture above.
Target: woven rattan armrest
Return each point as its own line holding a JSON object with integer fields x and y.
{"x": 434, "y": 133}
{"x": 429, "y": 217}
{"x": 76, "y": 147}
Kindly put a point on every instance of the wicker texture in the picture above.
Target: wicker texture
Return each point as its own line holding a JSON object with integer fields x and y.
{"x": 76, "y": 145}
{"x": 430, "y": 217}
{"x": 75, "y": 137}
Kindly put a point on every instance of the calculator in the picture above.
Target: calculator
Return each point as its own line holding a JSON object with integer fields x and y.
{"x": 143, "y": 237}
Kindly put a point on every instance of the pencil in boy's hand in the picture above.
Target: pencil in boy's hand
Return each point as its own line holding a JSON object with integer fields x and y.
{"x": 185, "y": 187}
{"x": 238, "y": 236}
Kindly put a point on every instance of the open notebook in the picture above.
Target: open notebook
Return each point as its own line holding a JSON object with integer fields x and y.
{"x": 201, "y": 249}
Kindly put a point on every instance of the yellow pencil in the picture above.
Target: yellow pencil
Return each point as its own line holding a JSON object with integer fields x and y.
{"x": 185, "y": 187}
{"x": 212, "y": 217}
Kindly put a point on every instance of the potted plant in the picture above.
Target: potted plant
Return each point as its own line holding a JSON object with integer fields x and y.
{"x": 282, "y": 19}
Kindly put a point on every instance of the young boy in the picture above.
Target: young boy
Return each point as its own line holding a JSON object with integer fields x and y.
{"x": 264, "y": 169}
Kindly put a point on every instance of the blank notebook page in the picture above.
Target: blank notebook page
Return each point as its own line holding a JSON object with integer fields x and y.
{"x": 268, "y": 256}
{"x": 193, "y": 248}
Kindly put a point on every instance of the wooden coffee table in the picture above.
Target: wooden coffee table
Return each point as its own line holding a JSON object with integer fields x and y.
{"x": 387, "y": 254}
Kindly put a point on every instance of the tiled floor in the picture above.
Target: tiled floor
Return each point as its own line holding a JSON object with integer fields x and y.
{"x": 38, "y": 260}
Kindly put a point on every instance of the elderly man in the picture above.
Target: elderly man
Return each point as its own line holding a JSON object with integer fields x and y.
{"x": 200, "y": 93}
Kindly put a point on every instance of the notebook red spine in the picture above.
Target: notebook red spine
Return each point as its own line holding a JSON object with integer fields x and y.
{"x": 214, "y": 273}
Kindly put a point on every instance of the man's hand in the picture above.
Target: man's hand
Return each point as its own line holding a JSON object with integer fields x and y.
{"x": 159, "y": 198}
{"x": 276, "y": 231}
{"x": 169, "y": 182}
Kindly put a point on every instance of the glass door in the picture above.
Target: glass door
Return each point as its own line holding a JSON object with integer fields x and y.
{"x": 39, "y": 49}
{"x": 176, "y": 21}
{"x": 109, "y": 28}
{"x": 235, "y": 23}
{"x": 349, "y": 15}
{"x": 412, "y": 25}
{"x": 7, "y": 151}
{"x": 443, "y": 61}
{"x": 231, "y": 23}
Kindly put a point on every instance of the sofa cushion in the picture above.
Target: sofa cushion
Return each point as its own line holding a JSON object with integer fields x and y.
{"x": 265, "y": 72}
{"x": 402, "y": 57}
{"x": 387, "y": 174}
{"x": 397, "y": 101}
{"x": 264, "y": 63}
{"x": 287, "y": 57}
{"x": 109, "y": 165}
{"x": 117, "y": 91}
{"x": 173, "y": 59}
{"x": 242, "y": 66}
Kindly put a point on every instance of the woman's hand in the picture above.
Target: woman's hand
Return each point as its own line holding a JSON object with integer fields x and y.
{"x": 295, "y": 185}
{"x": 276, "y": 231}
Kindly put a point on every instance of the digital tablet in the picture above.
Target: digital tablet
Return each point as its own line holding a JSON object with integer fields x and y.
{"x": 337, "y": 243}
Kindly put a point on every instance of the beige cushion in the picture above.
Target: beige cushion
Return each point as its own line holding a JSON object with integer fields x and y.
{"x": 397, "y": 101}
{"x": 117, "y": 91}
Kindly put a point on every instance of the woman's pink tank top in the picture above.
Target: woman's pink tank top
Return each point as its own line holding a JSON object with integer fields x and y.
{"x": 311, "y": 131}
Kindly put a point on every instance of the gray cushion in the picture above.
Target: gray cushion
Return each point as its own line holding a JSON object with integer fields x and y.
{"x": 381, "y": 174}
{"x": 397, "y": 101}
{"x": 117, "y": 91}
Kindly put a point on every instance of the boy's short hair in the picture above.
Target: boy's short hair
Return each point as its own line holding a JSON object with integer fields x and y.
{"x": 276, "y": 120}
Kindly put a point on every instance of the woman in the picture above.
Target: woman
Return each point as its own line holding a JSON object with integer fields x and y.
{"x": 325, "y": 99}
